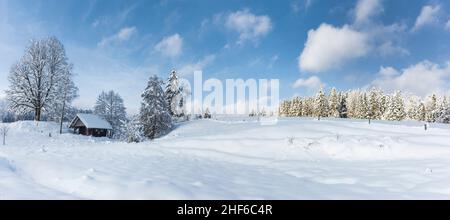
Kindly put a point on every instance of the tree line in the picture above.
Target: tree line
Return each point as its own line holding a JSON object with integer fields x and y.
{"x": 41, "y": 87}
{"x": 368, "y": 104}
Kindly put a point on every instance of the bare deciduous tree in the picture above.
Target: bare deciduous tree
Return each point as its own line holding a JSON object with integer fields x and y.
{"x": 35, "y": 78}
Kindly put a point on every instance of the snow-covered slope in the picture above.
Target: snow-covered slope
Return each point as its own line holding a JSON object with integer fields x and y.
{"x": 232, "y": 158}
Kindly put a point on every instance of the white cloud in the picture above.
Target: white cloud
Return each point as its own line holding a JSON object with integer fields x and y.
{"x": 388, "y": 48}
{"x": 330, "y": 46}
{"x": 447, "y": 26}
{"x": 420, "y": 79}
{"x": 126, "y": 33}
{"x": 170, "y": 46}
{"x": 116, "y": 20}
{"x": 312, "y": 83}
{"x": 297, "y": 5}
{"x": 123, "y": 35}
{"x": 189, "y": 68}
{"x": 249, "y": 26}
{"x": 387, "y": 72}
{"x": 365, "y": 9}
{"x": 428, "y": 15}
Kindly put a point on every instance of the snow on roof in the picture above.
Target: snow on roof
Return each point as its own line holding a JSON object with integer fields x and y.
{"x": 94, "y": 121}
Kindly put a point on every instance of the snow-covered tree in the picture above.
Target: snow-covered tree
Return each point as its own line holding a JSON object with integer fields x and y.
{"x": 308, "y": 107}
{"x": 384, "y": 101}
{"x": 353, "y": 103}
{"x": 295, "y": 109}
{"x": 396, "y": 108}
{"x": 173, "y": 94}
{"x": 431, "y": 107}
{"x": 109, "y": 106}
{"x": 3, "y": 109}
{"x": 154, "y": 114}
{"x": 421, "y": 112}
{"x": 342, "y": 108}
{"x": 363, "y": 107}
{"x": 443, "y": 115}
{"x": 207, "y": 113}
{"x": 284, "y": 108}
{"x": 374, "y": 108}
{"x": 334, "y": 103}
{"x": 262, "y": 112}
{"x": 411, "y": 108}
{"x": 321, "y": 105}
{"x": 133, "y": 130}
{"x": 66, "y": 92}
{"x": 35, "y": 78}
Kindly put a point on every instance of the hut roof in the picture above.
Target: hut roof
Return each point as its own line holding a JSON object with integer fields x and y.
{"x": 91, "y": 121}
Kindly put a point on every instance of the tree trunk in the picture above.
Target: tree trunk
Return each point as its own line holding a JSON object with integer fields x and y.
{"x": 62, "y": 117}
{"x": 37, "y": 114}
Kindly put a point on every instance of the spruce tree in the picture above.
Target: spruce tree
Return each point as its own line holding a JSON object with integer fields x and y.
{"x": 172, "y": 93}
{"x": 374, "y": 104}
{"x": 431, "y": 108}
{"x": 321, "y": 105}
{"x": 154, "y": 114}
{"x": 343, "y": 107}
{"x": 396, "y": 110}
{"x": 421, "y": 112}
{"x": 334, "y": 103}
{"x": 443, "y": 115}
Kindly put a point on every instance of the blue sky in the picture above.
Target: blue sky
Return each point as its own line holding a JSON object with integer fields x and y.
{"x": 307, "y": 44}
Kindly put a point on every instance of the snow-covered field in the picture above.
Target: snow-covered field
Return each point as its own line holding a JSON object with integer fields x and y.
{"x": 232, "y": 159}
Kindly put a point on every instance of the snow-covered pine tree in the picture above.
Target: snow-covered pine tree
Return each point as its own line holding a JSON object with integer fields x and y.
{"x": 412, "y": 108}
{"x": 321, "y": 105}
{"x": 363, "y": 107}
{"x": 352, "y": 103}
{"x": 384, "y": 101}
{"x": 284, "y": 108}
{"x": 132, "y": 130}
{"x": 396, "y": 109}
{"x": 334, "y": 103}
{"x": 292, "y": 108}
{"x": 173, "y": 94}
{"x": 443, "y": 115}
{"x": 374, "y": 104}
{"x": 421, "y": 112}
{"x": 431, "y": 107}
{"x": 295, "y": 109}
{"x": 299, "y": 107}
{"x": 343, "y": 107}
{"x": 154, "y": 114}
{"x": 308, "y": 107}
{"x": 109, "y": 106}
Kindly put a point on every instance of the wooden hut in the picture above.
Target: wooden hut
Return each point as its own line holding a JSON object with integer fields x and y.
{"x": 91, "y": 125}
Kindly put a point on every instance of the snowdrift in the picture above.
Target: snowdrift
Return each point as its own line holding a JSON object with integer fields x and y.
{"x": 232, "y": 158}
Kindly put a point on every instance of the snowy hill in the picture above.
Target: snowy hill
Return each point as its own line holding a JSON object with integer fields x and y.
{"x": 232, "y": 158}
